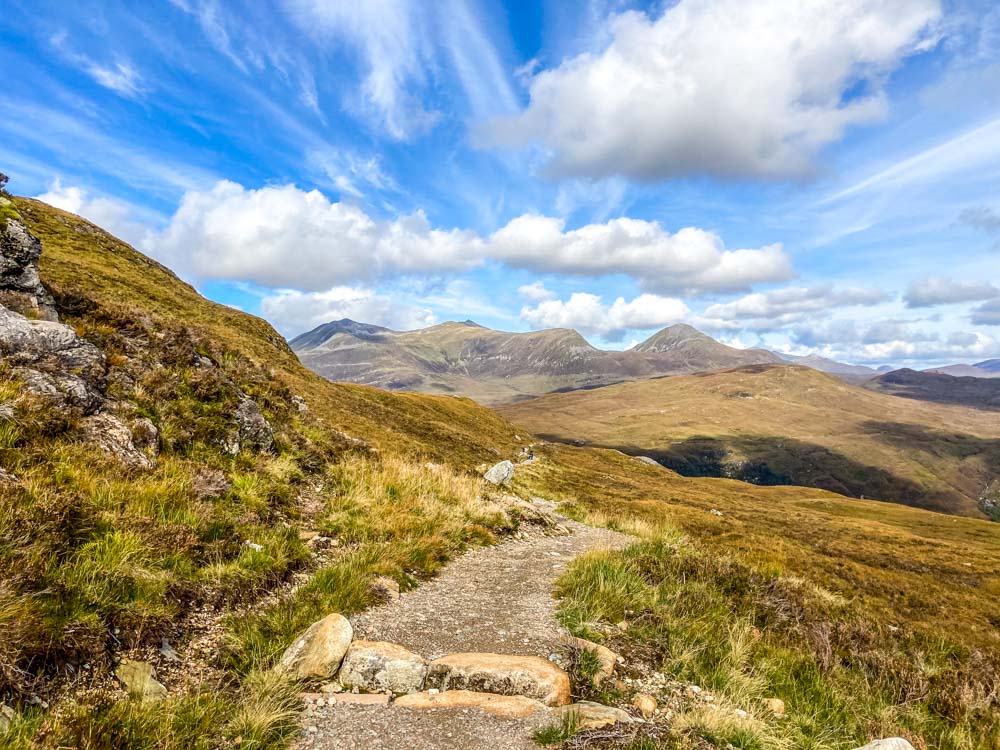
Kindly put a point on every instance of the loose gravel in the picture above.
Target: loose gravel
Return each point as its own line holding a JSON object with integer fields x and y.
{"x": 493, "y": 599}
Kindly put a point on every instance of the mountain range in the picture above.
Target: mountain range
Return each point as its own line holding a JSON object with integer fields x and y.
{"x": 494, "y": 367}
{"x": 184, "y": 477}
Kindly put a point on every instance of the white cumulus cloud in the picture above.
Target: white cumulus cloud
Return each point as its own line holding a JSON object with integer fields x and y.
{"x": 589, "y": 314}
{"x": 770, "y": 310}
{"x": 690, "y": 259}
{"x": 294, "y": 312}
{"x": 284, "y": 237}
{"x": 726, "y": 87}
{"x": 938, "y": 290}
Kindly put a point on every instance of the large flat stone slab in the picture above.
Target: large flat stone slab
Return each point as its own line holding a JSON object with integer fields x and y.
{"x": 507, "y": 706}
{"x": 503, "y": 674}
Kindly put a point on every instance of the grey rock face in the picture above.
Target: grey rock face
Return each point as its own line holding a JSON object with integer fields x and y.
{"x": 501, "y": 473}
{"x": 19, "y": 281}
{"x": 254, "y": 430}
{"x": 111, "y": 434}
{"x": 52, "y": 360}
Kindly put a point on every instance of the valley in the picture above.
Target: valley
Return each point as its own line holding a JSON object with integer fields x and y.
{"x": 786, "y": 425}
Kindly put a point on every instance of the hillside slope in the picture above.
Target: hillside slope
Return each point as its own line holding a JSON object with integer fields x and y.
{"x": 494, "y": 367}
{"x": 974, "y": 392}
{"x": 989, "y": 368}
{"x": 211, "y": 544}
{"x": 172, "y": 459}
{"x": 787, "y": 425}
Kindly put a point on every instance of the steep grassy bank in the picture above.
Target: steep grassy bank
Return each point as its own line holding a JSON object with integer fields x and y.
{"x": 99, "y": 561}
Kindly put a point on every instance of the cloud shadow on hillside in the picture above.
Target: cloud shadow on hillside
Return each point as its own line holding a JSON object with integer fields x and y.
{"x": 772, "y": 461}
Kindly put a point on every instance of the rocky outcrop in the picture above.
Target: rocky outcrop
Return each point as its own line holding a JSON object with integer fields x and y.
{"x": 530, "y": 676}
{"x": 112, "y": 435}
{"x": 253, "y": 431}
{"x": 20, "y": 286}
{"x": 505, "y": 706}
{"x": 380, "y": 667}
{"x": 53, "y": 361}
{"x": 318, "y": 652}
{"x": 502, "y": 473}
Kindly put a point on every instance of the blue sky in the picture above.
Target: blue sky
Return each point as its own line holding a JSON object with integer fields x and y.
{"x": 815, "y": 176}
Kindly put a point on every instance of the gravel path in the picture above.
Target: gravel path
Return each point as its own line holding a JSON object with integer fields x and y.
{"x": 494, "y": 599}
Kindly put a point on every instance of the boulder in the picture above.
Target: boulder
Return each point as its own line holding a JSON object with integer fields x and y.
{"x": 501, "y": 473}
{"x": 20, "y": 286}
{"x": 648, "y": 460}
{"x": 139, "y": 680}
{"x": 506, "y": 706}
{"x": 892, "y": 743}
{"x": 52, "y": 360}
{"x": 380, "y": 667}
{"x": 644, "y": 704}
{"x": 530, "y": 676}
{"x": 590, "y": 715}
{"x": 606, "y": 658}
{"x": 254, "y": 431}
{"x": 113, "y": 436}
{"x": 318, "y": 652}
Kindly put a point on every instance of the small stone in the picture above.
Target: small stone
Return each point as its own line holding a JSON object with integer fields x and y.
{"x": 166, "y": 651}
{"x": 7, "y": 717}
{"x": 776, "y": 706}
{"x": 622, "y": 626}
{"x": 645, "y": 704}
{"x": 139, "y": 681}
{"x": 385, "y": 588}
{"x": 606, "y": 658}
{"x": 892, "y": 743}
{"x": 741, "y": 713}
{"x": 590, "y": 715}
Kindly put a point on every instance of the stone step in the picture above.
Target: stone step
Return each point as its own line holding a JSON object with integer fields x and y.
{"x": 506, "y": 706}
{"x": 530, "y": 676}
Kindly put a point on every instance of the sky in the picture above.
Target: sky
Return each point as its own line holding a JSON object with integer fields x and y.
{"x": 813, "y": 176}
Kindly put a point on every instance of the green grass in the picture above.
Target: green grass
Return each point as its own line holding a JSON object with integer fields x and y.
{"x": 747, "y": 636}
{"x": 96, "y": 559}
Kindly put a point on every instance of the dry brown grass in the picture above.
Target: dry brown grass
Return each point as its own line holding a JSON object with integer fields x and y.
{"x": 786, "y": 425}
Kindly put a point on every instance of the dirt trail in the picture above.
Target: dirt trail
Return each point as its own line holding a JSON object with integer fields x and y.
{"x": 494, "y": 599}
